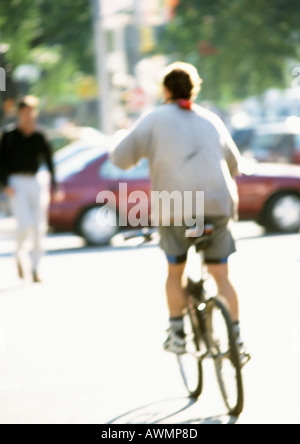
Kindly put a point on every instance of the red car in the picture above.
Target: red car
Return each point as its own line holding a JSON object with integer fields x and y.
{"x": 81, "y": 179}
{"x": 269, "y": 195}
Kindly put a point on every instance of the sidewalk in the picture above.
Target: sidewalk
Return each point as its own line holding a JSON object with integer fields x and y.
{"x": 53, "y": 242}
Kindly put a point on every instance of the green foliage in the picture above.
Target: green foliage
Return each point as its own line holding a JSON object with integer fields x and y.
{"x": 56, "y": 85}
{"x": 241, "y": 47}
{"x": 55, "y": 36}
{"x": 68, "y": 23}
{"x": 19, "y": 21}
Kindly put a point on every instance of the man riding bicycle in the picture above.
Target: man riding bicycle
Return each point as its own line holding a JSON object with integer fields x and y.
{"x": 189, "y": 149}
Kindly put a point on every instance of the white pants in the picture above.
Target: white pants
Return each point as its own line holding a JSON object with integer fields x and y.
{"x": 30, "y": 206}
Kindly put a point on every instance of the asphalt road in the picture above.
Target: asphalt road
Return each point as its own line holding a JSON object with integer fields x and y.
{"x": 86, "y": 345}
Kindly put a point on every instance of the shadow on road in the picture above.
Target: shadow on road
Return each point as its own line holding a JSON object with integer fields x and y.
{"x": 66, "y": 250}
{"x": 68, "y": 244}
{"x": 169, "y": 411}
{"x": 97, "y": 250}
{"x": 4, "y": 291}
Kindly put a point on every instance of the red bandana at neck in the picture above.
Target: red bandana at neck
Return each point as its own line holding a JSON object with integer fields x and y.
{"x": 185, "y": 104}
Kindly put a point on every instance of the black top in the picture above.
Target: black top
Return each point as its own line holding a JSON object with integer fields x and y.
{"x": 21, "y": 154}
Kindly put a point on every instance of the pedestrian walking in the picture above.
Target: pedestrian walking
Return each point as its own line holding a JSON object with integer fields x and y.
{"x": 26, "y": 174}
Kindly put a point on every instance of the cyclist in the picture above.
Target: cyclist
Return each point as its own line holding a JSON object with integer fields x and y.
{"x": 189, "y": 149}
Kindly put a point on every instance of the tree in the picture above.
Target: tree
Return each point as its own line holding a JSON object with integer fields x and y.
{"x": 241, "y": 47}
{"x": 26, "y": 25}
{"x": 68, "y": 24}
{"x": 55, "y": 36}
{"x": 19, "y": 21}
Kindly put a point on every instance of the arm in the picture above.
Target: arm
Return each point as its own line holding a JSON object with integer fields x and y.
{"x": 230, "y": 150}
{"x": 134, "y": 146}
{"x": 232, "y": 156}
{"x": 3, "y": 161}
{"x": 47, "y": 149}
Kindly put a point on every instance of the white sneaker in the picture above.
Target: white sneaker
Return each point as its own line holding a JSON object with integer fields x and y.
{"x": 245, "y": 356}
{"x": 175, "y": 343}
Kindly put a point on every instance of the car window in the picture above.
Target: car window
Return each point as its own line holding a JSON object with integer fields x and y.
{"x": 242, "y": 138}
{"x": 273, "y": 147}
{"x": 77, "y": 163}
{"x": 68, "y": 152}
{"x": 110, "y": 171}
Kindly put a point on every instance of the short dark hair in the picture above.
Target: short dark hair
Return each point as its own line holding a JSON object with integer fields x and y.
{"x": 182, "y": 80}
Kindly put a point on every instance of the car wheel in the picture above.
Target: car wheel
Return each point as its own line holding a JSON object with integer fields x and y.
{"x": 98, "y": 226}
{"x": 283, "y": 214}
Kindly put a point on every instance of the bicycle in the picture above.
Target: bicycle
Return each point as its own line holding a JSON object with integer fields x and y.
{"x": 209, "y": 335}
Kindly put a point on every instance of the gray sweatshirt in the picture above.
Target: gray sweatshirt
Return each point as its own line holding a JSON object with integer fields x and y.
{"x": 187, "y": 151}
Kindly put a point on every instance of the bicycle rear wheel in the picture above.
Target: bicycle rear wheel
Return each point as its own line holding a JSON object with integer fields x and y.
{"x": 190, "y": 363}
{"x": 224, "y": 350}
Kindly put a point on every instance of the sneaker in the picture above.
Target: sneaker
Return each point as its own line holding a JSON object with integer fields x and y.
{"x": 36, "y": 278}
{"x": 175, "y": 343}
{"x": 245, "y": 356}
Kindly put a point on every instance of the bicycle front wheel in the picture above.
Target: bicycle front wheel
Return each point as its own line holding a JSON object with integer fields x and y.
{"x": 223, "y": 348}
{"x": 190, "y": 363}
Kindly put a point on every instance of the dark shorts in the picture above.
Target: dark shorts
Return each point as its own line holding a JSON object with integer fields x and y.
{"x": 176, "y": 245}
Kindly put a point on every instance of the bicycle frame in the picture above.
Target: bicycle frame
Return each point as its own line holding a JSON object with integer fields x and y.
{"x": 209, "y": 335}
{"x": 197, "y": 307}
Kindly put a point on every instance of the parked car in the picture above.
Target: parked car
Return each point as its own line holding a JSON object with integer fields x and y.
{"x": 243, "y": 138}
{"x": 271, "y": 142}
{"x": 79, "y": 146}
{"x": 69, "y": 151}
{"x": 80, "y": 180}
{"x": 269, "y": 195}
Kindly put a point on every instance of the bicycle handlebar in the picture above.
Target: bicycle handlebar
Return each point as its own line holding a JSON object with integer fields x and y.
{"x": 144, "y": 233}
{"x": 201, "y": 237}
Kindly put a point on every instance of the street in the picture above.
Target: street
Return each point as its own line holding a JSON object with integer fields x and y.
{"x": 86, "y": 345}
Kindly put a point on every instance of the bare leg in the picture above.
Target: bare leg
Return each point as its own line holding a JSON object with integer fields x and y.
{"x": 177, "y": 302}
{"x": 220, "y": 273}
{"x": 175, "y": 293}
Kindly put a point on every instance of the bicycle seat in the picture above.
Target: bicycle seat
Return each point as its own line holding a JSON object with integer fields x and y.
{"x": 203, "y": 240}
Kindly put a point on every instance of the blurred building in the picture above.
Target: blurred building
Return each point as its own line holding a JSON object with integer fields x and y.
{"x": 9, "y": 92}
{"x": 131, "y": 29}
